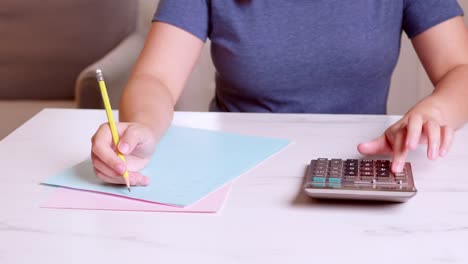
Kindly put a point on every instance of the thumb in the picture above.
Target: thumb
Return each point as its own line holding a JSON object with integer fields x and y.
{"x": 131, "y": 138}
{"x": 375, "y": 147}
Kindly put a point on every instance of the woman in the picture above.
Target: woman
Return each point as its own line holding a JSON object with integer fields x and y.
{"x": 324, "y": 56}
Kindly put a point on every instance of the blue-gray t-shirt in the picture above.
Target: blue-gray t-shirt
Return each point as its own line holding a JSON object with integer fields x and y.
{"x": 307, "y": 56}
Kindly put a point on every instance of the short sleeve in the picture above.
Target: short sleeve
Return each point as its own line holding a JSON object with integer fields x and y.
{"x": 420, "y": 15}
{"x": 189, "y": 15}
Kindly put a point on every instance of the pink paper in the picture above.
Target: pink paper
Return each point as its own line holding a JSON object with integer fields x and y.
{"x": 65, "y": 198}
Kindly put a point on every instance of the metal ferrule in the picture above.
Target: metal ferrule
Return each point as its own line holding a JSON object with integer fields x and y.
{"x": 99, "y": 75}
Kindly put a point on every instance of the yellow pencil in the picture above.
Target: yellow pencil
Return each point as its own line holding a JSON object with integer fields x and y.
{"x": 110, "y": 118}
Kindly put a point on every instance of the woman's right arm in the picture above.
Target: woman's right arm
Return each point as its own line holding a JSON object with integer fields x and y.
{"x": 147, "y": 103}
{"x": 159, "y": 77}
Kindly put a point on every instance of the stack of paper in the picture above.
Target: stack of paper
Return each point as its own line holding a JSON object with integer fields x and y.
{"x": 190, "y": 172}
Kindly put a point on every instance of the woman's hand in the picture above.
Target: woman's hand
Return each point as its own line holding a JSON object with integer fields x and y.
{"x": 425, "y": 123}
{"x": 433, "y": 120}
{"x": 137, "y": 144}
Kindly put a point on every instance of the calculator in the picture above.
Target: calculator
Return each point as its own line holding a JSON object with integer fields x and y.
{"x": 359, "y": 179}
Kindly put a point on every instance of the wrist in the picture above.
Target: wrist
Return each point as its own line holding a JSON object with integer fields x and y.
{"x": 445, "y": 110}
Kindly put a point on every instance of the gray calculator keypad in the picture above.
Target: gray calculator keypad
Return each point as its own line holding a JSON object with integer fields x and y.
{"x": 358, "y": 174}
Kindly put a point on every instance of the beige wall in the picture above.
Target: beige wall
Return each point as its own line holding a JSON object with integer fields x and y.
{"x": 410, "y": 82}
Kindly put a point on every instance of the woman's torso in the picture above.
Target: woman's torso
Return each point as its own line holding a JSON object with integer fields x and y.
{"x": 304, "y": 56}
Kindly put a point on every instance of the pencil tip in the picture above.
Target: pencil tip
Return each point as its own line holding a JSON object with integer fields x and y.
{"x": 128, "y": 188}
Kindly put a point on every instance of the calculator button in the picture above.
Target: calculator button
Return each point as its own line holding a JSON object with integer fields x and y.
{"x": 320, "y": 167}
{"x": 322, "y": 163}
{"x": 336, "y": 162}
{"x": 334, "y": 180}
{"x": 383, "y": 174}
{"x": 334, "y": 174}
{"x": 382, "y": 169}
{"x": 351, "y": 162}
{"x": 335, "y": 167}
{"x": 400, "y": 174}
{"x": 318, "y": 179}
{"x": 367, "y": 173}
{"x": 320, "y": 172}
{"x": 382, "y": 164}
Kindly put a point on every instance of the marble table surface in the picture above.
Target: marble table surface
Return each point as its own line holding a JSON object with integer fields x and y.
{"x": 267, "y": 218}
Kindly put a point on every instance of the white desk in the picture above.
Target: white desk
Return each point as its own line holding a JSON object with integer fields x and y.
{"x": 266, "y": 219}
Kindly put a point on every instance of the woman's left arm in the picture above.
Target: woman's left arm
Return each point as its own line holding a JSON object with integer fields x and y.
{"x": 443, "y": 51}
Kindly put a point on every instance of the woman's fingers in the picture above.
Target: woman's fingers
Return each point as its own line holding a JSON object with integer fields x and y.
{"x": 432, "y": 131}
{"x": 108, "y": 166}
{"x": 400, "y": 150}
{"x": 423, "y": 124}
{"x": 131, "y": 138}
{"x": 136, "y": 178}
{"x": 413, "y": 134}
{"x": 102, "y": 149}
{"x": 107, "y": 178}
{"x": 447, "y": 135}
{"x": 103, "y": 167}
{"x": 377, "y": 146}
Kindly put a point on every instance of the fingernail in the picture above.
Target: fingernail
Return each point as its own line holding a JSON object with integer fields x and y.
{"x": 402, "y": 165}
{"x": 443, "y": 152}
{"x": 123, "y": 148}
{"x": 398, "y": 166}
{"x": 120, "y": 168}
